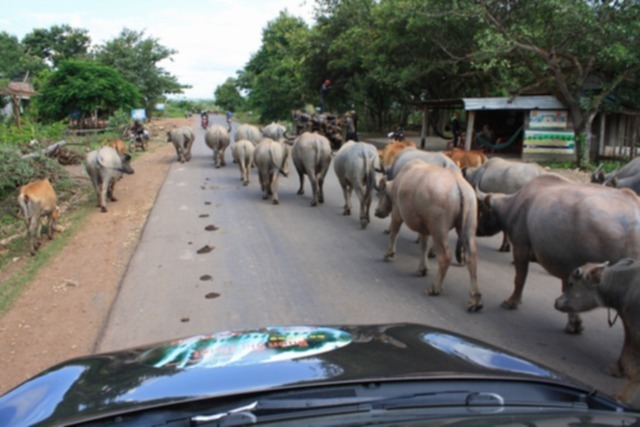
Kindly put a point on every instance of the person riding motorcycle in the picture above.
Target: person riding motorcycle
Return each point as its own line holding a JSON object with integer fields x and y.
{"x": 204, "y": 119}
{"x": 139, "y": 136}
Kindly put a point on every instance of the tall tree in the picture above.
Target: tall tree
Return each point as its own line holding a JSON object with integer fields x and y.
{"x": 15, "y": 63}
{"x": 228, "y": 97}
{"x": 581, "y": 51}
{"x": 85, "y": 87}
{"x": 136, "y": 57}
{"x": 59, "y": 43}
{"x": 273, "y": 76}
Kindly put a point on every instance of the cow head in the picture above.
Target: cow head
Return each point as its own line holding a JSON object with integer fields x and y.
{"x": 384, "y": 199}
{"x": 581, "y": 290}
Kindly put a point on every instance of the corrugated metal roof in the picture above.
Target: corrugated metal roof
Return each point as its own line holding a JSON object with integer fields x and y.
{"x": 517, "y": 103}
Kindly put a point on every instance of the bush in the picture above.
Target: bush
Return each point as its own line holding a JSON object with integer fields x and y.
{"x": 45, "y": 134}
{"x": 16, "y": 171}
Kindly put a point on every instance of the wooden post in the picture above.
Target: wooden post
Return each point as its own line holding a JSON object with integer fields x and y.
{"x": 425, "y": 126}
{"x": 16, "y": 110}
{"x": 471, "y": 118}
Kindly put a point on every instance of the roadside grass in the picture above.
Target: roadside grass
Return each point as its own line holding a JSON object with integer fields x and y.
{"x": 17, "y": 281}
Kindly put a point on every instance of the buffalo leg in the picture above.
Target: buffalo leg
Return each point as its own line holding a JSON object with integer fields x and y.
{"x": 475, "y": 297}
{"x": 274, "y": 188}
{"x": 346, "y": 190}
{"x": 505, "y": 246}
{"x": 443, "y": 255}
{"x": 394, "y": 228}
{"x": 301, "y": 176}
{"x": 521, "y": 261}
{"x": 423, "y": 265}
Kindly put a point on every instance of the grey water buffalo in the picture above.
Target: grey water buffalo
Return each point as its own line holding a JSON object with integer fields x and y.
{"x": 105, "y": 167}
{"x": 274, "y": 131}
{"x": 182, "y": 138}
{"x": 630, "y": 169}
{"x": 630, "y": 182}
{"x": 616, "y": 287}
{"x": 410, "y": 153}
{"x": 271, "y": 157}
{"x": 311, "y": 155}
{"x": 355, "y": 164}
{"x": 37, "y": 200}
{"x": 248, "y": 132}
{"x": 217, "y": 138}
{"x": 562, "y": 225}
{"x": 432, "y": 200}
{"x": 498, "y": 175}
{"x": 243, "y": 153}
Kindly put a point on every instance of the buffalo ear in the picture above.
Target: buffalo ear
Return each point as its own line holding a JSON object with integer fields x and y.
{"x": 595, "y": 275}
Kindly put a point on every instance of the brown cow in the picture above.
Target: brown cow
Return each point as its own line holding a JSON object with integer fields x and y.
{"x": 38, "y": 199}
{"x": 432, "y": 200}
{"x": 391, "y": 150}
{"x": 466, "y": 158}
{"x": 118, "y": 144}
{"x": 618, "y": 287}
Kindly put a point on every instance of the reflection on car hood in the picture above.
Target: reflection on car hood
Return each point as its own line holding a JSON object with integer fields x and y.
{"x": 237, "y": 362}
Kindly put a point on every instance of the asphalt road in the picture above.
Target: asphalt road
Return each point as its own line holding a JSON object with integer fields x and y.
{"x": 296, "y": 264}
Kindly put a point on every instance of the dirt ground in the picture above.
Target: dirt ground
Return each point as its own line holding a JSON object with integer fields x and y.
{"x": 61, "y": 313}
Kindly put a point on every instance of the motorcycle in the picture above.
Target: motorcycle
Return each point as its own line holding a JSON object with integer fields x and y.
{"x": 204, "y": 122}
{"x": 138, "y": 139}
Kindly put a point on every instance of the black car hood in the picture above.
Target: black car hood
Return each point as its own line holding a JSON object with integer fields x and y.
{"x": 231, "y": 363}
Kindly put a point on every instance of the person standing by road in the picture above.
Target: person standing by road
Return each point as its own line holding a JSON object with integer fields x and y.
{"x": 324, "y": 91}
{"x": 455, "y": 128}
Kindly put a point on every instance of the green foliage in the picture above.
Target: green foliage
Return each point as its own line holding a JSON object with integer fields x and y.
{"x": 85, "y": 87}
{"x": 15, "y": 62}
{"x": 137, "y": 58}
{"x": 57, "y": 44}
{"x": 44, "y": 134}
{"x": 16, "y": 171}
{"x": 274, "y": 74}
{"x": 121, "y": 120}
{"x": 228, "y": 97}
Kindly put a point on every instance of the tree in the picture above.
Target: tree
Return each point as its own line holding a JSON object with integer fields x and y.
{"x": 274, "y": 75}
{"x": 581, "y": 51}
{"x": 86, "y": 87}
{"x": 137, "y": 58}
{"x": 15, "y": 63}
{"x": 59, "y": 43}
{"x": 228, "y": 97}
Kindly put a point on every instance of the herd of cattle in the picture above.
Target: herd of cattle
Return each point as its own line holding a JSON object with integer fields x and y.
{"x": 587, "y": 235}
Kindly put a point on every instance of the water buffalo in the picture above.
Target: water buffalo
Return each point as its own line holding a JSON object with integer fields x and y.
{"x": 274, "y": 131}
{"x": 630, "y": 169}
{"x": 311, "y": 155}
{"x": 182, "y": 139}
{"x": 38, "y": 199}
{"x": 432, "y": 200}
{"x": 409, "y": 154}
{"x": 354, "y": 165}
{"x": 271, "y": 157}
{"x": 243, "y": 152}
{"x": 562, "y": 225}
{"x": 498, "y": 175}
{"x": 217, "y": 138}
{"x": 630, "y": 182}
{"x": 617, "y": 287}
{"x": 248, "y": 132}
{"x": 105, "y": 167}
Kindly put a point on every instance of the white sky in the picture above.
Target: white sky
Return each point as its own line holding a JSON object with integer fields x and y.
{"x": 214, "y": 38}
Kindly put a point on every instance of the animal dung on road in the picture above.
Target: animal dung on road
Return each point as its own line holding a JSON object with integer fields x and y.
{"x": 212, "y": 295}
{"x": 206, "y": 277}
{"x": 185, "y": 319}
{"x": 203, "y": 216}
{"x": 211, "y": 228}
{"x": 205, "y": 249}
